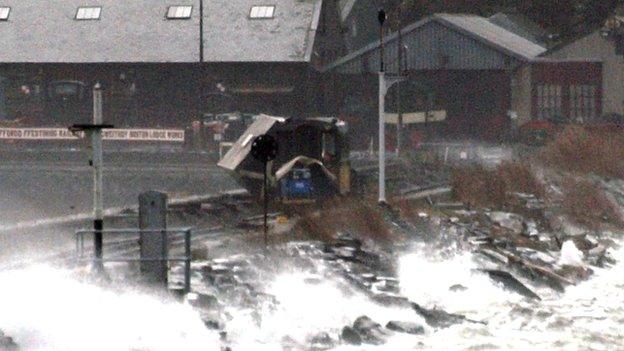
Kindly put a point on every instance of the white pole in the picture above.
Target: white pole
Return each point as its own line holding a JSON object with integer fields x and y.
{"x": 96, "y": 158}
{"x": 382, "y": 137}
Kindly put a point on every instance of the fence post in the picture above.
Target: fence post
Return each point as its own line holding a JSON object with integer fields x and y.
{"x": 153, "y": 241}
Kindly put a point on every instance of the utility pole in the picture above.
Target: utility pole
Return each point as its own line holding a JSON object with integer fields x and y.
{"x": 94, "y": 133}
{"x": 384, "y": 84}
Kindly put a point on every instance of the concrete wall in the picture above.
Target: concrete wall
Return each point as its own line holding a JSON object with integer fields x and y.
{"x": 594, "y": 46}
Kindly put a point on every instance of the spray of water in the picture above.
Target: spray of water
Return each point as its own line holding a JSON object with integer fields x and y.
{"x": 46, "y": 309}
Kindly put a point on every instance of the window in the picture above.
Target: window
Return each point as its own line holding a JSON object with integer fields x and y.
{"x": 262, "y": 12}
{"x": 582, "y": 102}
{"x": 549, "y": 101}
{"x": 88, "y": 13}
{"x": 4, "y": 13}
{"x": 179, "y": 12}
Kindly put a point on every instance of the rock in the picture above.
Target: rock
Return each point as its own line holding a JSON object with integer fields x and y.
{"x": 369, "y": 330}
{"x": 598, "y": 256}
{"x": 511, "y": 283}
{"x": 364, "y": 323}
{"x": 507, "y": 220}
{"x": 439, "y": 318}
{"x": 458, "y": 287}
{"x": 350, "y": 336}
{"x": 405, "y": 327}
{"x": 7, "y": 343}
{"x": 212, "y": 324}
{"x": 392, "y": 300}
{"x": 322, "y": 341}
{"x": 574, "y": 273}
{"x": 530, "y": 229}
{"x": 582, "y": 242}
{"x": 347, "y": 239}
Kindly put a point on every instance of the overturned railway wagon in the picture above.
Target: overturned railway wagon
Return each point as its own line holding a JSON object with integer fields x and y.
{"x": 312, "y": 162}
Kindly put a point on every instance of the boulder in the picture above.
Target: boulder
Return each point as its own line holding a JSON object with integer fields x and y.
{"x": 350, "y": 336}
{"x": 322, "y": 341}
{"x": 391, "y": 300}
{"x": 439, "y": 318}
{"x": 510, "y": 221}
{"x": 7, "y": 343}
{"x": 405, "y": 327}
{"x": 511, "y": 283}
{"x": 370, "y": 331}
{"x": 458, "y": 287}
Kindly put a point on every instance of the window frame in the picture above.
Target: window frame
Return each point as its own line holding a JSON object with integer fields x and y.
{"x": 175, "y": 18}
{"x": 583, "y": 106}
{"x": 549, "y": 101}
{"x": 8, "y": 14}
{"x": 86, "y": 8}
{"x": 251, "y": 10}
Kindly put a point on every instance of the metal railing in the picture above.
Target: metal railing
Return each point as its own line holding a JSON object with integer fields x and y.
{"x": 80, "y": 248}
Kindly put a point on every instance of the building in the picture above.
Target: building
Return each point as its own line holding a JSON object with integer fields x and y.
{"x": 161, "y": 62}
{"x": 595, "y": 47}
{"x": 463, "y": 67}
{"x": 358, "y": 20}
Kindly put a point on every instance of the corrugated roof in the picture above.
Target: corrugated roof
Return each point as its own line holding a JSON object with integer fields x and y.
{"x": 138, "y": 31}
{"x": 230, "y": 36}
{"x": 476, "y": 27}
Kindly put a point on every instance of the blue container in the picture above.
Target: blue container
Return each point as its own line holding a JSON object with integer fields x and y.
{"x": 298, "y": 184}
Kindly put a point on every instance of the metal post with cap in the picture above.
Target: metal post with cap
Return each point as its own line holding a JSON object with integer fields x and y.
{"x": 384, "y": 84}
{"x": 94, "y": 133}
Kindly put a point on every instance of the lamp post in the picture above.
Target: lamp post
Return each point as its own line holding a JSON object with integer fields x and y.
{"x": 94, "y": 133}
{"x": 384, "y": 84}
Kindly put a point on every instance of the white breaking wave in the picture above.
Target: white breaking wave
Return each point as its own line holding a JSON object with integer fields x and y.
{"x": 45, "y": 309}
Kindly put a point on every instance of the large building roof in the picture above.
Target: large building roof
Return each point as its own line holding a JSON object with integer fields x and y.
{"x": 484, "y": 37}
{"x": 230, "y": 36}
{"x": 136, "y": 31}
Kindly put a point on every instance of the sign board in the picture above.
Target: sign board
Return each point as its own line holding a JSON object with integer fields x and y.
{"x": 168, "y": 135}
{"x": 417, "y": 117}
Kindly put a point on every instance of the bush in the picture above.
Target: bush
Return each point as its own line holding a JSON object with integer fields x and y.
{"x": 587, "y": 150}
{"x": 478, "y": 186}
{"x": 358, "y": 216}
{"x": 586, "y": 204}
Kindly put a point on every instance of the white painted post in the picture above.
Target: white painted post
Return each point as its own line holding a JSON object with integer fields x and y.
{"x": 96, "y": 159}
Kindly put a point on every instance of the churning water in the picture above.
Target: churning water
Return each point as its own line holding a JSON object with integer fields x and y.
{"x": 46, "y": 309}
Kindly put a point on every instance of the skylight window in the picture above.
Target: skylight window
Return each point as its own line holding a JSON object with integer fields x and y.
{"x": 179, "y": 12}
{"x": 88, "y": 13}
{"x": 262, "y": 12}
{"x": 4, "y": 13}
